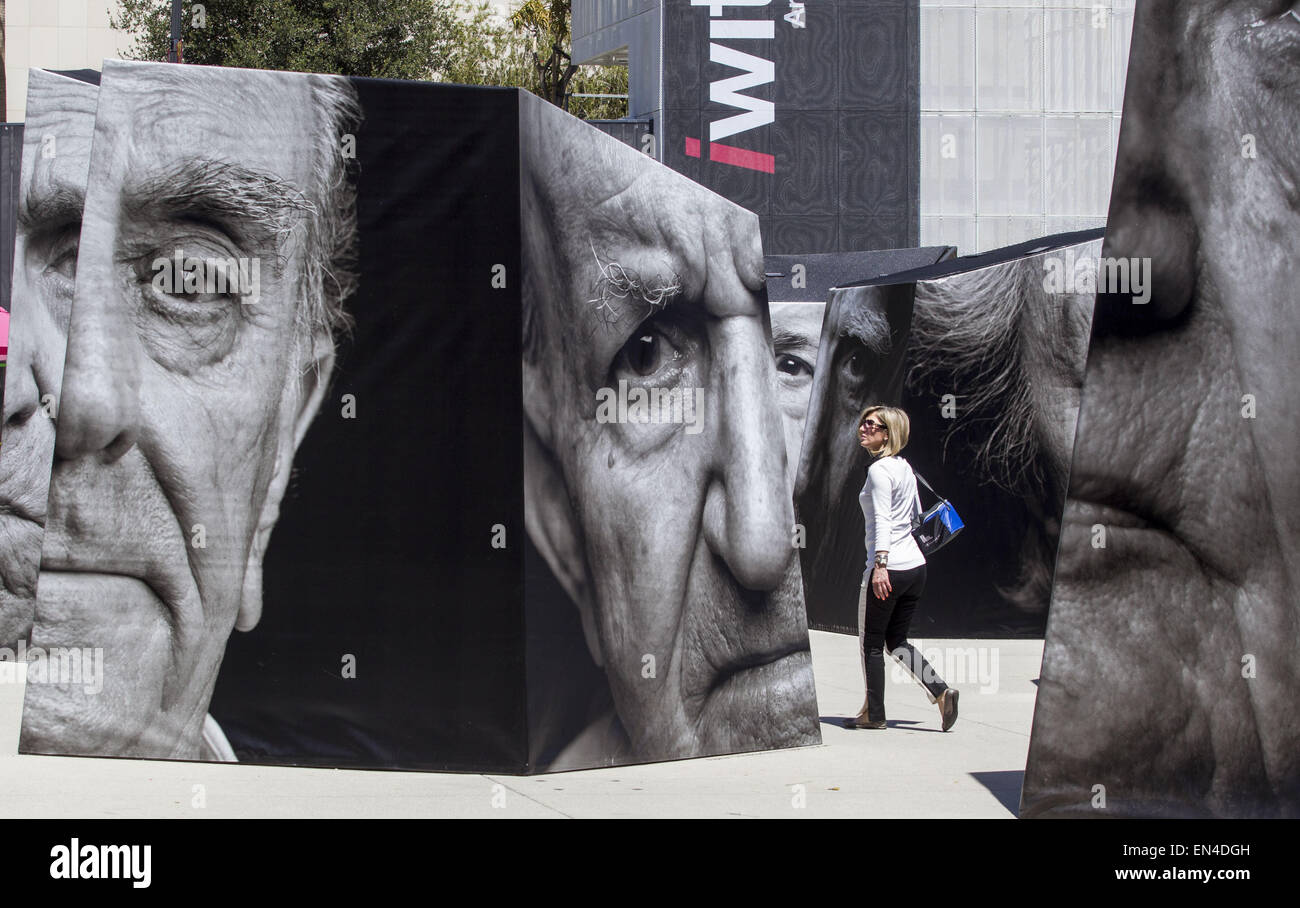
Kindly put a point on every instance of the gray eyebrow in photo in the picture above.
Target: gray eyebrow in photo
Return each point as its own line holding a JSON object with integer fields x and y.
{"x": 868, "y": 325}
{"x": 785, "y": 339}
{"x": 257, "y": 206}
{"x": 617, "y": 285}
{"x": 48, "y": 204}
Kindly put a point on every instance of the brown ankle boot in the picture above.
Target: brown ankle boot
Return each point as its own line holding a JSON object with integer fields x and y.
{"x": 948, "y": 707}
{"x": 864, "y": 722}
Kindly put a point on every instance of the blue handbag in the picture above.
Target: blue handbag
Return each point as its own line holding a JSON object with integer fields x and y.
{"x": 938, "y": 526}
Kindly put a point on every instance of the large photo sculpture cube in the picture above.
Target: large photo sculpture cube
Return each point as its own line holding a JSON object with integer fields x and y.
{"x": 391, "y": 425}
{"x": 1169, "y": 668}
{"x": 986, "y": 355}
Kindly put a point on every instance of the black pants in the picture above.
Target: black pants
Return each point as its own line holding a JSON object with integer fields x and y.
{"x": 884, "y": 626}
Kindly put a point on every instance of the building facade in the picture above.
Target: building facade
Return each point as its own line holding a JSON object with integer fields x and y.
{"x": 55, "y": 34}
{"x": 875, "y": 123}
{"x": 806, "y": 113}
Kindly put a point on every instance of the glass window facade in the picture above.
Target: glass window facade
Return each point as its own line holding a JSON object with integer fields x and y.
{"x": 1020, "y": 108}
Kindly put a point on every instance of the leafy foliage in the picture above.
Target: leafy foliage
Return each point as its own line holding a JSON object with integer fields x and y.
{"x": 543, "y": 29}
{"x": 444, "y": 40}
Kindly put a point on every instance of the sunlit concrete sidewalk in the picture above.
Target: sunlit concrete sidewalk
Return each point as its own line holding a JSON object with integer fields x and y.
{"x": 910, "y": 770}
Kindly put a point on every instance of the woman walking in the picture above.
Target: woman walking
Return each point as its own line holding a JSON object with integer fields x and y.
{"x": 895, "y": 575}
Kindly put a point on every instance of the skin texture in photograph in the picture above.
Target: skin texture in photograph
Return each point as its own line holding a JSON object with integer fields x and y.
{"x": 673, "y": 542}
{"x": 796, "y": 332}
{"x": 56, "y": 155}
{"x": 860, "y": 361}
{"x": 182, "y": 405}
{"x": 1169, "y": 674}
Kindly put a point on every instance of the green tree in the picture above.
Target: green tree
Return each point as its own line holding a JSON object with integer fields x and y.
{"x": 445, "y": 40}
{"x": 610, "y": 80}
{"x": 485, "y": 50}
{"x": 544, "y": 25}
{"x": 394, "y": 39}
{"x": 544, "y": 29}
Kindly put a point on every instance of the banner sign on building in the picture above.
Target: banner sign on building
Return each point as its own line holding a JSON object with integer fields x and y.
{"x": 806, "y": 113}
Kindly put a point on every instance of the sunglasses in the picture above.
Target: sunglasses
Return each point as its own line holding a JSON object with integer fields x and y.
{"x": 873, "y": 425}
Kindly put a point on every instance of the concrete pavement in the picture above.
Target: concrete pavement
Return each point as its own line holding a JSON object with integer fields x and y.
{"x": 910, "y": 770}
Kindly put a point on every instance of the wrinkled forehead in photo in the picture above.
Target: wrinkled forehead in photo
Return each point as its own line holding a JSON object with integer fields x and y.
{"x": 56, "y": 146}
{"x": 612, "y": 236}
{"x": 245, "y": 151}
{"x": 265, "y": 119}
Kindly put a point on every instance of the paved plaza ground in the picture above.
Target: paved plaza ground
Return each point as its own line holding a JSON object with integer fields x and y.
{"x": 912, "y": 769}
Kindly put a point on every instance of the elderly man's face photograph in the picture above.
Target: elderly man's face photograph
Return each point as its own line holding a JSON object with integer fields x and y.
{"x": 672, "y": 535}
{"x": 56, "y": 153}
{"x": 182, "y": 402}
{"x": 796, "y": 333}
{"x": 799, "y": 286}
{"x": 859, "y": 361}
{"x": 1170, "y": 672}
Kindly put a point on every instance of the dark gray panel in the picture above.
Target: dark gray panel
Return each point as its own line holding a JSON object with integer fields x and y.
{"x": 846, "y": 135}
{"x": 676, "y": 126}
{"x": 11, "y": 156}
{"x": 629, "y": 132}
{"x": 875, "y": 172}
{"x": 872, "y": 233}
{"x": 749, "y": 188}
{"x": 808, "y": 164}
{"x": 686, "y": 53}
{"x": 807, "y": 80}
{"x": 824, "y": 271}
{"x": 814, "y": 233}
{"x": 879, "y": 58}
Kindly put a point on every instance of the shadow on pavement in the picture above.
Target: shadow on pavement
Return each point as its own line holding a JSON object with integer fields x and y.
{"x": 1003, "y": 785}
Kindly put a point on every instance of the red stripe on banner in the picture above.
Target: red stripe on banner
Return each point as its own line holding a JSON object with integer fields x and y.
{"x": 742, "y": 157}
{"x": 692, "y": 147}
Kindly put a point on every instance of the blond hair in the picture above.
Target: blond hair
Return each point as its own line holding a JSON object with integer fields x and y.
{"x": 896, "y": 423}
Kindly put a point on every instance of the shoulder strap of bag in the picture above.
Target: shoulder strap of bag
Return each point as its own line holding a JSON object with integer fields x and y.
{"x": 922, "y": 479}
{"x": 927, "y": 485}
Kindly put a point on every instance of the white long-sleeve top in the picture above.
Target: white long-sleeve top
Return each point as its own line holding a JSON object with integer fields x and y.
{"x": 889, "y": 502}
